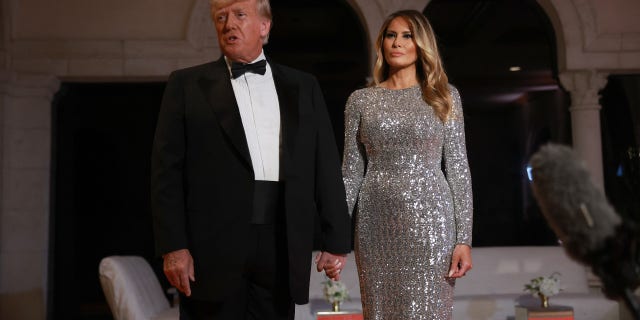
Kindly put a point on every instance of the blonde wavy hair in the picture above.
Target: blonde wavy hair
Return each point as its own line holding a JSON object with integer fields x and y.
{"x": 431, "y": 74}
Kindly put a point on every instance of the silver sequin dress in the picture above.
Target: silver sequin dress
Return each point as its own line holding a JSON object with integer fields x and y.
{"x": 410, "y": 213}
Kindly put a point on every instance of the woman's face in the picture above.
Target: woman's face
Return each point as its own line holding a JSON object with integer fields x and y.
{"x": 398, "y": 46}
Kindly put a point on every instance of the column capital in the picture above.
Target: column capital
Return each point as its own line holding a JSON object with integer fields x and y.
{"x": 28, "y": 85}
{"x": 584, "y": 86}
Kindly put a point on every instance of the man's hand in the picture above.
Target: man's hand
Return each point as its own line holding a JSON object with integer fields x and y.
{"x": 460, "y": 261}
{"x": 178, "y": 267}
{"x": 332, "y": 264}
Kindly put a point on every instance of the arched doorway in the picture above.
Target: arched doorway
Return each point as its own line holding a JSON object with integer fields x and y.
{"x": 325, "y": 38}
{"x": 502, "y": 57}
{"x": 620, "y": 123}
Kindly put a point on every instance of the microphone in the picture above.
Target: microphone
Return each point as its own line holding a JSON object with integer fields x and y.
{"x": 575, "y": 209}
{"x": 591, "y": 231}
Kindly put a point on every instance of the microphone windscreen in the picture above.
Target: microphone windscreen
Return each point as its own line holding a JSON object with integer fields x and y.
{"x": 573, "y": 206}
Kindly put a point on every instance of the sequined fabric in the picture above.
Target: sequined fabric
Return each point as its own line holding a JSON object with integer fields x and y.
{"x": 410, "y": 213}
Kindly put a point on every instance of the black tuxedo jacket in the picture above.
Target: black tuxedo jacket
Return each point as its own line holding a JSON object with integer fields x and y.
{"x": 202, "y": 178}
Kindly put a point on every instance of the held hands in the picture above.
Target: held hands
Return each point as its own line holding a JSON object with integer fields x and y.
{"x": 460, "y": 261}
{"x": 178, "y": 267}
{"x": 332, "y": 264}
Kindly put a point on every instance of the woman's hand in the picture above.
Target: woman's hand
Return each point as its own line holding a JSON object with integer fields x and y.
{"x": 460, "y": 261}
{"x": 332, "y": 264}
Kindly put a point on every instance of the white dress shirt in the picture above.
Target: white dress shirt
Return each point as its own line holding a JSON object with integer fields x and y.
{"x": 260, "y": 112}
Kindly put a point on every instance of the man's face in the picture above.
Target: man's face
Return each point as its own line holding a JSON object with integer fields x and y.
{"x": 240, "y": 30}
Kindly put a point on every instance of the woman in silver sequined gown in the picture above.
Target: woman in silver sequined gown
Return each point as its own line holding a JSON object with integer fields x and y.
{"x": 413, "y": 220}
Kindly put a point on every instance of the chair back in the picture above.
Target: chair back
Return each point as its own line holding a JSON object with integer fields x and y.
{"x": 131, "y": 287}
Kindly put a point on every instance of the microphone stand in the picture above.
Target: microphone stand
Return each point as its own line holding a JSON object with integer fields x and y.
{"x": 630, "y": 267}
{"x": 632, "y": 303}
{"x": 618, "y": 266}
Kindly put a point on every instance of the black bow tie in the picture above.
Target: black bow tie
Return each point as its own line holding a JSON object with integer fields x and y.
{"x": 238, "y": 69}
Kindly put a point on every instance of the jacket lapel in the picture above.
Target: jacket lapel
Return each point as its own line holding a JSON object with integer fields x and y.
{"x": 288, "y": 93}
{"x": 219, "y": 94}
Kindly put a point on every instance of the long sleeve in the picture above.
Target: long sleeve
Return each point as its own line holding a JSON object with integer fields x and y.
{"x": 457, "y": 171}
{"x": 167, "y": 163}
{"x": 329, "y": 195}
{"x": 353, "y": 163}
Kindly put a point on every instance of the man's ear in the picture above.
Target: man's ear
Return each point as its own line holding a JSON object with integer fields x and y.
{"x": 265, "y": 27}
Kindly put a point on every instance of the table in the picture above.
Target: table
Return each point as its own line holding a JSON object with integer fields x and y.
{"x": 540, "y": 313}
{"x": 340, "y": 315}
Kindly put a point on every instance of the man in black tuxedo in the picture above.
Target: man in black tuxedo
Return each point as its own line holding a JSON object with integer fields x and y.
{"x": 244, "y": 164}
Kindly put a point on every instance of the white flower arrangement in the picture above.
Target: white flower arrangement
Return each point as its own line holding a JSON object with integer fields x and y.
{"x": 335, "y": 291}
{"x": 546, "y": 286}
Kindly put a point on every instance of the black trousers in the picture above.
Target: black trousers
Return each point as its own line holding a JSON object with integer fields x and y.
{"x": 263, "y": 293}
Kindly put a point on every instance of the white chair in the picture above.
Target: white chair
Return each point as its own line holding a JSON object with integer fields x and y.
{"x": 133, "y": 291}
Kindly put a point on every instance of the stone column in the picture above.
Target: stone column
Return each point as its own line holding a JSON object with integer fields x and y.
{"x": 584, "y": 87}
{"x": 25, "y": 155}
